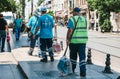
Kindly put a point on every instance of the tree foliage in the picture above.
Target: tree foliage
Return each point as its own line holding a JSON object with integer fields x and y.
{"x": 7, "y": 5}
{"x": 39, "y": 2}
{"x": 104, "y": 7}
{"x": 51, "y": 13}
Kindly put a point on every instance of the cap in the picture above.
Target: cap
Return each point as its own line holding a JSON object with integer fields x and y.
{"x": 76, "y": 9}
{"x": 36, "y": 12}
{"x": 43, "y": 9}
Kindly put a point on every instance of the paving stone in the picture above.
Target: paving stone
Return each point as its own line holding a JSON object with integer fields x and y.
{"x": 35, "y": 69}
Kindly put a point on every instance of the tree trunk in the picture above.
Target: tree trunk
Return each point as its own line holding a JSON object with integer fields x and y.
{"x": 23, "y": 8}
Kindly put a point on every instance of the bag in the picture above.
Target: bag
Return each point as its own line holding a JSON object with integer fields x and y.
{"x": 56, "y": 47}
{"x": 30, "y": 34}
{"x": 8, "y": 43}
{"x": 8, "y": 38}
{"x": 64, "y": 65}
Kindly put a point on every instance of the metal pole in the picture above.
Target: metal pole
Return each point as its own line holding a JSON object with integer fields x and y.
{"x": 68, "y": 9}
{"x": 73, "y": 4}
{"x": 88, "y": 16}
{"x": 31, "y": 7}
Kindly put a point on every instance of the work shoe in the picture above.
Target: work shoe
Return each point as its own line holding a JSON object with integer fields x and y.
{"x": 2, "y": 50}
{"x": 43, "y": 60}
{"x": 83, "y": 74}
{"x": 39, "y": 53}
{"x": 30, "y": 52}
{"x": 17, "y": 39}
{"x": 73, "y": 71}
{"x": 52, "y": 58}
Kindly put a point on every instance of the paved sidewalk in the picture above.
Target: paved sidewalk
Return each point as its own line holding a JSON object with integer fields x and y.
{"x": 8, "y": 67}
{"x": 34, "y": 69}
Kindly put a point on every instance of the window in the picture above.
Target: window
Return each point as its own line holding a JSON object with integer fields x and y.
{"x": 8, "y": 17}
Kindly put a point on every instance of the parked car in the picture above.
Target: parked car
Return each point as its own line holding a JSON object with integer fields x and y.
{"x": 9, "y": 17}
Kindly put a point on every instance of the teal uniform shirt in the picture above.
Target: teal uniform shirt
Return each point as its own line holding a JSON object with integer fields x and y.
{"x": 32, "y": 23}
{"x": 46, "y": 23}
{"x": 18, "y": 22}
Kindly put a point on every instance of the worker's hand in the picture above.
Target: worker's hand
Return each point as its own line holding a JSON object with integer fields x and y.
{"x": 55, "y": 25}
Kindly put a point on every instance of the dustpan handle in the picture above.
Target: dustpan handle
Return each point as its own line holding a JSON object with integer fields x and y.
{"x": 65, "y": 51}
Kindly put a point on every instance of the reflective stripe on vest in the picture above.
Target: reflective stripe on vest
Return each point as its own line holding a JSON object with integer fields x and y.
{"x": 80, "y": 34}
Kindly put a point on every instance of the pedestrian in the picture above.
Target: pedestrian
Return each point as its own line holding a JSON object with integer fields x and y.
{"x": 3, "y": 31}
{"x": 92, "y": 21}
{"x": 76, "y": 40}
{"x": 46, "y": 24}
{"x": 17, "y": 26}
{"x": 32, "y": 23}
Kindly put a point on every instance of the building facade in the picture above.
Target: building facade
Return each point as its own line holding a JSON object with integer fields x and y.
{"x": 64, "y": 8}
{"x": 115, "y": 21}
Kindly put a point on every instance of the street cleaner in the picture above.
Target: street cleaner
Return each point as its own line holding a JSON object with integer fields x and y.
{"x": 45, "y": 24}
{"x": 76, "y": 39}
